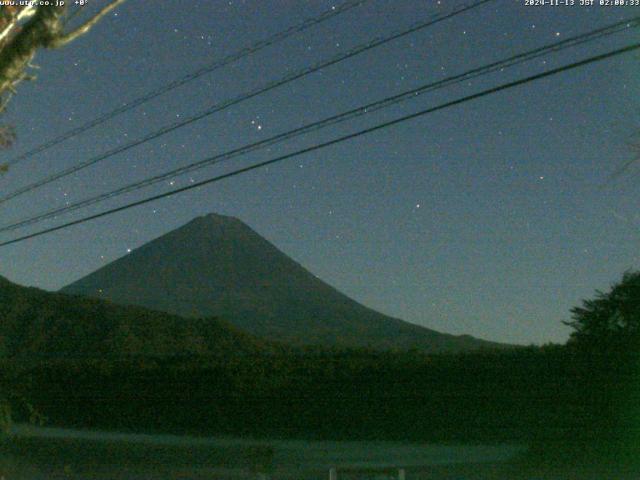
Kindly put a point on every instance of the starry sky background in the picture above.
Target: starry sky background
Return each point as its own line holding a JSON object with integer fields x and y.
{"x": 489, "y": 218}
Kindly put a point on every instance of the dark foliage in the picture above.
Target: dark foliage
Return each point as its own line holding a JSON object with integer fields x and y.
{"x": 487, "y": 397}
{"x": 611, "y": 321}
{"x": 606, "y": 344}
{"x": 34, "y": 323}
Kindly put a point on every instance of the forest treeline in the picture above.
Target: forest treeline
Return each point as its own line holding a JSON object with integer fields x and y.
{"x": 584, "y": 394}
{"x": 542, "y": 394}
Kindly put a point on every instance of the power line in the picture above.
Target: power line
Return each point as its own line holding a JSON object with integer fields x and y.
{"x": 332, "y": 120}
{"x": 335, "y": 141}
{"x": 378, "y": 41}
{"x": 231, "y": 58}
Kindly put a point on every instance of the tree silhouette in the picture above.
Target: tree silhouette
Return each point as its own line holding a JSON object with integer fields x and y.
{"x": 25, "y": 29}
{"x": 45, "y": 27}
{"x": 610, "y": 320}
{"x": 605, "y": 340}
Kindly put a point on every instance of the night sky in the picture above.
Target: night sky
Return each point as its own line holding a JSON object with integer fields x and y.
{"x": 491, "y": 218}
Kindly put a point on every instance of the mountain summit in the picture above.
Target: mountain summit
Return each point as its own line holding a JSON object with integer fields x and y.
{"x": 218, "y": 266}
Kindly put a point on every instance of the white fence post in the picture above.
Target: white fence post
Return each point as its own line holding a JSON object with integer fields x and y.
{"x": 333, "y": 474}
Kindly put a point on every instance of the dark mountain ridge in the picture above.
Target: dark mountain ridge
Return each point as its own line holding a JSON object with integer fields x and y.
{"x": 35, "y": 323}
{"x": 216, "y": 266}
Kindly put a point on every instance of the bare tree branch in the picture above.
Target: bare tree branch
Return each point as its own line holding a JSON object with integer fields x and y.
{"x": 7, "y": 137}
{"x": 23, "y": 30}
{"x": 63, "y": 40}
{"x": 25, "y": 12}
{"x": 44, "y": 30}
{"x": 38, "y": 32}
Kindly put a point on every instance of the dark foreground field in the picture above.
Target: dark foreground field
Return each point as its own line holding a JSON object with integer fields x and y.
{"x": 39, "y": 454}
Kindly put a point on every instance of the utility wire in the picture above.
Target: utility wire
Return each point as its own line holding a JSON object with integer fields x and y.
{"x": 332, "y": 120}
{"x": 378, "y": 41}
{"x": 335, "y": 141}
{"x": 231, "y": 58}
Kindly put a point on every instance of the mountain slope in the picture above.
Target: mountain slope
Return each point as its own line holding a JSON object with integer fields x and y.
{"x": 218, "y": 266}
{"x": 36, "y": 323}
